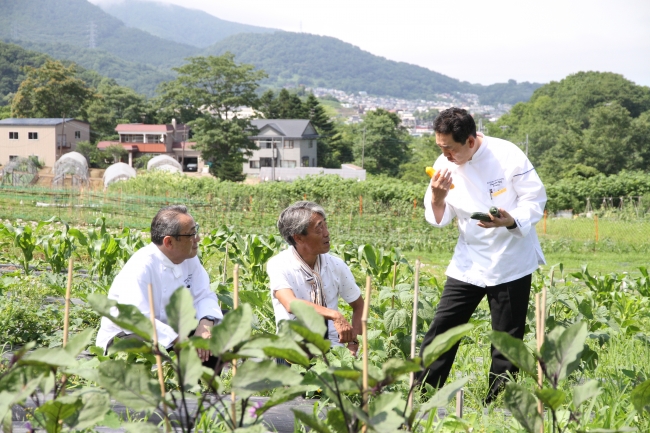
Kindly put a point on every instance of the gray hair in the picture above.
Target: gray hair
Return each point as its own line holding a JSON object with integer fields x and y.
{"x": 166, "y": 223}
{"x": 295, "y": 219}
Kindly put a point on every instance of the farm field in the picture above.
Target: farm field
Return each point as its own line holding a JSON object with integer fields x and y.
{"x": 597, "y": 326}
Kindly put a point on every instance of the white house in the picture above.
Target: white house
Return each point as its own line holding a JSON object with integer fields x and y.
{"x": 285, "y": 143}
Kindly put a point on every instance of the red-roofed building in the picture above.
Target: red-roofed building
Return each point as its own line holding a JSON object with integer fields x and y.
{"x": 139, "y": 139}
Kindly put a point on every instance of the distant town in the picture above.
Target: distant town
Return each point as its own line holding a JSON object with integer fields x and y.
{"x": 408, "y": 109}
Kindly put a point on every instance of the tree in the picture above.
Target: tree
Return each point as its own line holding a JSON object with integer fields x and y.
{"x": 385, "y": 146}
{"x": 206, "y": 94}
{"x": 332, "y": 150}
{"x": 423, "y": 153}
{"x": 52, "y": 90}
{"x": 116, "y": 151}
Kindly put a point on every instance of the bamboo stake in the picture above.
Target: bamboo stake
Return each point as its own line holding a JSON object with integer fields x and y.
{"x": 364, "y": 329}
{"x": 235, "y": 304}
{"x": 460, "y": 400}
{"x": 414, "y": 326}
{"x": 66, "y": 318}
{"x": 161, "y": 380}
{"x": 392, "y": 303}
{"x": 540, "y": 317}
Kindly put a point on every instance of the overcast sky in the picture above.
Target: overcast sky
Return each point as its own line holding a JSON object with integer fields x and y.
{"x": 474, "y": 40}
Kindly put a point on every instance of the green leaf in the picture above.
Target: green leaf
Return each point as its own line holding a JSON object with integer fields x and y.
{"x": 294, "y": 356}
{"x": 234, "y": 329}
{"x": 181, "y": 315}
{"x": 443, "y": 342}
{"x": 57, "y": 357}
{"x": 515, "y": 351}
{"x": 584, "y": 392}
{"x": 256, "y": 428}
{"x": 311, "y": 337}
{"x": 282, "y": 395}
{"x": 346, "y": 373}
{"x": 308, "y": 317}
{"x": 140, "y": 427}
{"x": 382, "y": 416}
{"x": 255, "y": 377}
{"x": 79, "y": 342}
{"x": 444, "y": 394}
{"x": 130, "y": 345}
{"x": 562, "y": 350}
{"x": 523, "y": 406}
{"x": 395, "y": 320}
{"x": 130, "y": 384}
{"x": 51, "y": 414}
{"x": 128, "y": 317}
{"x": 552, "y": 398}
{"x": 310, "y": 421}
{"x": 641, "y": 397}
{"x": 336, "y": 420}
{"x": 94, "y": 406}
{"x": 190, "y": 366}
{"x": 394, "y": 367}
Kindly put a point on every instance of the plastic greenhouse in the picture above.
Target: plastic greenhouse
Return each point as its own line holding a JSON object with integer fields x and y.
{"x": 118, "y": 171}
{"x": 19, "y": 172}
{"x": 71, "y": 164}
{"x": 164, "y": 162}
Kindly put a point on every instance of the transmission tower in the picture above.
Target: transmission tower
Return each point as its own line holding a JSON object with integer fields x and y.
{"x": 92, "y": 43}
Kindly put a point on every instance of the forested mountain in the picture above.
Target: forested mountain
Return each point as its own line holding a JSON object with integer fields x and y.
{"x": 300, "y": 58}
{"x": 583, "y": 125}
{"x": 187, "y": 26}
{"x": 80, "y": 24}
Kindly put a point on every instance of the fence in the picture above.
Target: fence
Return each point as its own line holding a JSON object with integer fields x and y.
{"x": 359, "y": 220}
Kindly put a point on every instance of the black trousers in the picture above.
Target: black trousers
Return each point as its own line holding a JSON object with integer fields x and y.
{"x": 508, "y": 307}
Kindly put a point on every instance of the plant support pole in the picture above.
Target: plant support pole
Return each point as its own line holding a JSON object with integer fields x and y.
{"x": 66, "y": 318}
{"x": 540, "y": 317}
{"x": 364, "y": 329}
{"x": 414, "y": 326}
{"x": 235, "y": 304}
{"x": 161, "y": 380}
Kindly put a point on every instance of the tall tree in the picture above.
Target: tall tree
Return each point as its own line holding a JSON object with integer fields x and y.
{"x": 207, "y": 93}
{"x": 384, "y": 145}
{"x": 52, "y": 90}
{"x": 332, "y": 150}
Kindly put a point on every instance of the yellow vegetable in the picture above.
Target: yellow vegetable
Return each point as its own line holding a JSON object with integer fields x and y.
{"x": 430, "y": 171}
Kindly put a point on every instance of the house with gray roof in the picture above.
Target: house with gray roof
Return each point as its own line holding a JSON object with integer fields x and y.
{"x": 46, "y": 139}
{"x": 282, "y": 143}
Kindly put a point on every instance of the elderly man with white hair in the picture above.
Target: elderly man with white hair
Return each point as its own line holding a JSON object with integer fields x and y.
{"x": 308, "y": 273}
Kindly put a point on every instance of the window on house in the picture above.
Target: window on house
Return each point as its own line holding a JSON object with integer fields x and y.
{"x": 288, "y": 144}
{"x": 254, "y": 164}
{"x": 32, "y": 135}
{"x": 13, "y": 157}
{"x": 77, "y": 134}
{"x": 266, "y": 162}
{"x": 13, "y": 136}
{"x": 311, "y": 143}
{"x": 305, "y": 161}
{"x": 288, "y": 164}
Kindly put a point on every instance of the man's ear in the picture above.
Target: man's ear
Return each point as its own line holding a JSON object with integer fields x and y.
{"x": 297, "y": 238}
{"x": 167, "y": 241}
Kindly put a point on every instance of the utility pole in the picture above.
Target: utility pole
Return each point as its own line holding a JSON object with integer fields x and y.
{"x": 526, "y": 144}
{"x": 363, "y": 146}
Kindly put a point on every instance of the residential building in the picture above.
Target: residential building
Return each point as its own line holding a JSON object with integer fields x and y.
{"x": 46, "y": 139}
{"x": 171, "y": 139}
{"x": 284, "y": 143}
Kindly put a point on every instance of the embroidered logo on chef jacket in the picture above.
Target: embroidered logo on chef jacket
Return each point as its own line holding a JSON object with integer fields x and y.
{"x": 188, "y": 281}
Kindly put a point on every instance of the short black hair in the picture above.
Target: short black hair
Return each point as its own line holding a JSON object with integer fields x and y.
{"x": 457, "y": 122}
{"x": 166, "y": 222}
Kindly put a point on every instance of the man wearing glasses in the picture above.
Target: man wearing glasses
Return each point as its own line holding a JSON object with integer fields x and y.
{"x": 168, "y": 263}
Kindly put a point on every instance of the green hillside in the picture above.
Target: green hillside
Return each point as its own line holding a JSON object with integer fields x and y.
{"x": 72, "y": 22}
{"x": 175, "y": 23}
{"x": 299, "y": 58}
{"x": 142, "y": 78}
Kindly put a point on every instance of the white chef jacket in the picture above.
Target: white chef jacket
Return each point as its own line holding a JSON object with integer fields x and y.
{"x": 499, "y": 174}
{"x": 284, "y": 273}
{"x": 150, "y": 266}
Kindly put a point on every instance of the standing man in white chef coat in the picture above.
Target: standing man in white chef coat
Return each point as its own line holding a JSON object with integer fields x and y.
{"x": 495, "y": 258}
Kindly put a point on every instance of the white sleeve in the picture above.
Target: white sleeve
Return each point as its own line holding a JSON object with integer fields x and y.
{"x": 447, "y": 217}
{"x": 206, "y": 302}
{"x": 531, "y": 199}
{"x": 348, "y": 289}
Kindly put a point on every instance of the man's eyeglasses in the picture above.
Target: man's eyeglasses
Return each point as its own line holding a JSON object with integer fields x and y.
{"x": 191, "y": 235}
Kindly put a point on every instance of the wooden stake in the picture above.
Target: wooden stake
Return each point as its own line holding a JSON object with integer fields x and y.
{"x": 414, "y": 326}
{"x": 66, "y": 318}
{"x": 540, "y": 318}
{"x": 235, "y": 304}
{"x": 161, "y": 380}
{"x": 596, "y": 226}
{"x": 392, "y": 302}
{"x": 460, "y": 401}
{"x": 364, "y": 328}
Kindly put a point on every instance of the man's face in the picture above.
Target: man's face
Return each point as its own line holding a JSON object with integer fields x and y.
{"x": 317, "y": 239}
{"x": 185, "y": 246}
{"x": 455, "y": 152}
